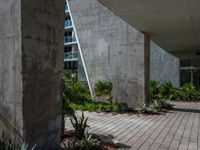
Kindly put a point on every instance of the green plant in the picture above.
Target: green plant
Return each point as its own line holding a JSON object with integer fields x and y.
{"x": 143, "y": 108}
{"x": 8, "y": 144}
{"x": 82, "y": 140}
{"x": 71, "y": 145}
{"x": 104, "y": 88}
{"x": 79, "y": 92}
{"x": 80, "y": 126}
{"x": 26, "y": 147}
{"x": 164, "y": 104}
{"x": 155, "y": 106}
{"x": 96, "y": 106}
{"x": 166, "y": 90}
{"x": 66, "y": 109}
{"x": 89, "y": 143}
{"x": 188, "y": 92}
{"x": 154, "y": 89}
{"x": 119, "y": 107}
{"x": 74, "y": 90}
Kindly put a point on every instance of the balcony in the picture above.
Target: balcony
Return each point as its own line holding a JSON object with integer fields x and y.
{"x": 71, "y": 56}
{"x": 66, "y": 8}
{"x": 69, "y": 40}
{"x": 68, "y": 24}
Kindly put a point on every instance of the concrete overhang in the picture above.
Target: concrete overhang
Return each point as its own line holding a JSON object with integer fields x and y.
{"x": 173, "y": 24}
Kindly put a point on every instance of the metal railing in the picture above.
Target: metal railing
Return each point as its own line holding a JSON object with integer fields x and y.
{"x": 70, "y": 55}
{"x": 68, "y": 23}
{"x": 69, "y": 39}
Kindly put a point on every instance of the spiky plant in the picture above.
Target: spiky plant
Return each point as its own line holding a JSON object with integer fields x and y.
{"x": 143, "y": 108}
{"x": 80, "y": 126}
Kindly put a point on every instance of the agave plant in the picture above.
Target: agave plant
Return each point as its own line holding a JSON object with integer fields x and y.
{"x": 89, "y": 143}
{"x": 80, "y": 126}
{"x": 143, "y": 108}
{"x": 8, "y": 144}
{"x": 155, "y": 106}
{"x": 71, "y": 145}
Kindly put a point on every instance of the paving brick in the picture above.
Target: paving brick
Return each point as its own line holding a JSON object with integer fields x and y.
{"x": 176, "y": 130}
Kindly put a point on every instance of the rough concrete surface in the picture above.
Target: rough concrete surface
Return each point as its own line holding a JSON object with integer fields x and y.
{"x": 31, "y": 69}
{"x": 10, "y": 69}
{"x": 163, "y": 66}
{"x": 112, "y": 50}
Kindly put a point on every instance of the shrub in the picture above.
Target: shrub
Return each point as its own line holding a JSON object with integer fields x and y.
{"x": 66, "y": 108}
{"x": 122, "y": 106}
{"x": 154, "y": 89}
{"x": 166, "y": 90}
{"x": 104, "y": 88}
{"x": 187, "y": 92}
{"x": 79, "y": 92}
{"x": 80, "y": 126}
{"x": 102, "y": 106}
{"x": 74, "y": 90}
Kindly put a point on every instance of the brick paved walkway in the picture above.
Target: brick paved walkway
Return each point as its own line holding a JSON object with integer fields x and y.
{"x": 176, "y": 130}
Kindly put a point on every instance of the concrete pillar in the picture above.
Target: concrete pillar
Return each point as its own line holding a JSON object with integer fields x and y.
{"x": 31, "y": 69}
{"x": 146, "y": 67}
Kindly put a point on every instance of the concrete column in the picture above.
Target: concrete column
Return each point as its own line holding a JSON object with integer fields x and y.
{"x": 146, "y": 67}
{"x": 31, "y": 69}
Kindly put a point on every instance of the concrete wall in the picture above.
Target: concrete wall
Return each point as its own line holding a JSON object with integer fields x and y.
{"x": 112, "y": 49}
{"x": 31, "y": 69}
{"x": 81, "y": 71}
{"x": 10, "y": 69}
{"x": 163, "y": 66}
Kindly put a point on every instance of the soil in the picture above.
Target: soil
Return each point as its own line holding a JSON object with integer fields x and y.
{"x": 69, "y": 136}
{"x": 107, "y": 147}
{"x": 135, "y": 112}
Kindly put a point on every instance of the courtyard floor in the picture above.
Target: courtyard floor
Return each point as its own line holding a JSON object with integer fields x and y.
{"x": 176, "y": 130}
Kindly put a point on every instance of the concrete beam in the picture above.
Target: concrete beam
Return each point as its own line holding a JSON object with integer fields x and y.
{"x": 173, "y": 24}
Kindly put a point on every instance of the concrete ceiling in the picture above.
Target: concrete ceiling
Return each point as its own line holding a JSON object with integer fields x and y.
{"x": 173, "y": 24}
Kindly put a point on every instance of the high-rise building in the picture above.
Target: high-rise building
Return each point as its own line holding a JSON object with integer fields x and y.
{"x": 72, "y": 56}
{"x": 70, "y": 43}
